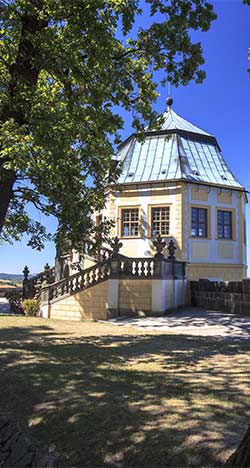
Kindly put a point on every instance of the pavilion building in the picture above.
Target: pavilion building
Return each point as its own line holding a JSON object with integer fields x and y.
{"x": 176, "y": 184}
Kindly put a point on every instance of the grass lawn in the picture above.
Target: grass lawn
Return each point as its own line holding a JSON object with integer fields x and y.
{"x": 117, "y": 396}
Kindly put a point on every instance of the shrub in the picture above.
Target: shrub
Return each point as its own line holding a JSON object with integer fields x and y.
{"x": 31, "y": 307}
{"x": 14, "y": 299}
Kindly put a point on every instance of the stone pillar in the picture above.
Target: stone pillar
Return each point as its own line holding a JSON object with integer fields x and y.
{"x": 168, "y": 292}
{"x": 113, "y": 287}
{"x": 45, "y": 303}
{"x": 26, "y": 283}
{"x": 159, "y": 295}
{"x": 113, "y": 297}
{"x": 180, "y": 292}
{"x": 162, "y": 287}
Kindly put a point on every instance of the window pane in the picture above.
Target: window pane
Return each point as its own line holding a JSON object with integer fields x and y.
{"x": 227, "y": 217}
{"x": 199, "y": 222}
{"x": 224, "y": 224}
{"x": 160, "y": 221}
{"x": 227, "y": 232}
{"x": 125, "y": 231}
{"x": 194, "y": 214}
{"x": 130, "y": 222}
{"x": 202, "y": 215}
{"x": 202, "y": 230}
{"x": 220, "y": 217}
{"x": 220, "y": 232}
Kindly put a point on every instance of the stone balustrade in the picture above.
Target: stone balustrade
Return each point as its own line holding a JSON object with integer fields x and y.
{"x": 158, "y": 281}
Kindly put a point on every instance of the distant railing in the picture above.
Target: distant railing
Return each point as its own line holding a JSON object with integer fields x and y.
{"x": 32, "y": 286}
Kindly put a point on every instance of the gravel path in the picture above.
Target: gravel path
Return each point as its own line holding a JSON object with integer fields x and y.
{"x": 193, "y": 322}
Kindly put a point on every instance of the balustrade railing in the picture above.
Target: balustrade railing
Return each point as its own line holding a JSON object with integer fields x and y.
{"x": 32, "y": 286}
{"x": 113, "y": 265}
{"x": 149, "y": 268}
{"x": 77, "y": 282}
{"x": 137, "y": 268}
{"x": 104, "y": 253}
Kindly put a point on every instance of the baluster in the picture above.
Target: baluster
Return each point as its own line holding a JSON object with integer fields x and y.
{"x": 50, "y": 294}
{"x": 70, "y": 285}
{"x": 62, "y": 289}
{"x": 151, "y": 268}
{"x": 105, "y": 271}
{"x": 87, "y": 279}
{"x": 99, "y": 273}
{"x": 136, "y": 268}
{"x": 96, "y": 274}
{"x": 81, "y": 279}
{"x": 84, "y": 280}
{"x": 77, "y": 285}
{"x": 55, "y": 293}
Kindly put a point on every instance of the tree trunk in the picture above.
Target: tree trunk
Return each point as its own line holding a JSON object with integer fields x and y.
{"x": 24, "y": 74}
{"x": 241, "y": 457}
{"x": 6, "y": 191}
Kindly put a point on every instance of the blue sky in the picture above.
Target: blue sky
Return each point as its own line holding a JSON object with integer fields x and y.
{"x": 221, "y": 105}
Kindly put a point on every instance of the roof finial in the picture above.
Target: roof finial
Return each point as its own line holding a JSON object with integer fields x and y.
{"x": 169, "y": 102}
{"x": 169, "y": 99}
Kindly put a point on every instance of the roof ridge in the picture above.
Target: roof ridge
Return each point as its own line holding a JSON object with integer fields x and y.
{"x": 173, "y": 121}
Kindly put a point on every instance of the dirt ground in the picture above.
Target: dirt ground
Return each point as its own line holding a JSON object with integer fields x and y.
{"x": 105, "y": 395}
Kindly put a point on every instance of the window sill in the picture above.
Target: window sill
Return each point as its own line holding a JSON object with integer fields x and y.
{"x": 131, "y": 237}
{"x": 200, "y": 237}
{"x": 163, "y": 236}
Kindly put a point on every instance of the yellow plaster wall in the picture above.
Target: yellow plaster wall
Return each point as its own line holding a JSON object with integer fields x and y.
{"x": 88, "y": 262}
{"x": 240, "y": 225}
{"x": 135, "y": 294}
{"x": 90, "y": 304}
{"x": 224, "y": 271}
{"x": 225, "y": 250}
{"x": 200, "y": 194}
{"x": 183, "y": 255}
{"x": 111, "y": 213}
{"x": 129, "y": 247}
{"x": 200, "y": 249}
{"x": 224, "y": 197}
{"x": 177, "y": 213}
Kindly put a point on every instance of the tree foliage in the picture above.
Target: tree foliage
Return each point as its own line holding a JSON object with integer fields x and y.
{"x": 65, "y": 69}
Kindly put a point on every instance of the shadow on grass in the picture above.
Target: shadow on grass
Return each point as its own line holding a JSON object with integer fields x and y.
{"x": 127, "y": 400}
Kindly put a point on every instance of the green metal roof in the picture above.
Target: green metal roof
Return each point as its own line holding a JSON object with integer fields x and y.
{"x": 178, "y": 150}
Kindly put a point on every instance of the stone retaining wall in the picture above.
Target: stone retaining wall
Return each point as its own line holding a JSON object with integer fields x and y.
{"x": 135, "y": 295}
{"x": 231, "y": 296}
{"x": 89, "y": 304}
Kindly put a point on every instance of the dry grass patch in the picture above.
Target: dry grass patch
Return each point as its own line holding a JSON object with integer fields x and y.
{"x": 106, "y": 396}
